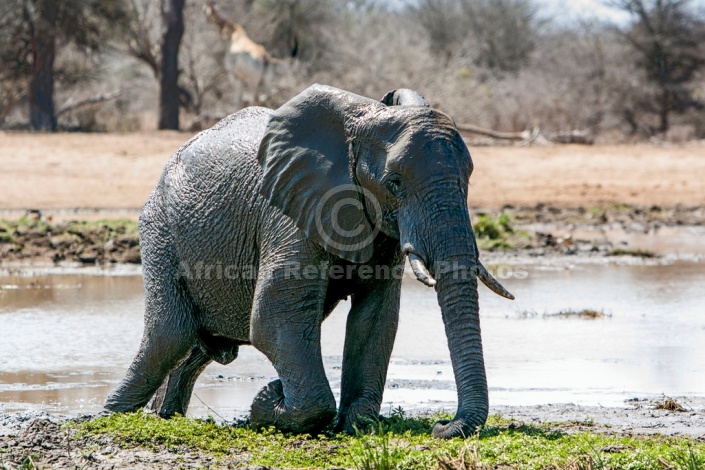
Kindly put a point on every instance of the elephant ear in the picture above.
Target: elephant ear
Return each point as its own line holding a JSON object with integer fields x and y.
{"x": 404, "y": 97}
{"x": 308, "y": 172}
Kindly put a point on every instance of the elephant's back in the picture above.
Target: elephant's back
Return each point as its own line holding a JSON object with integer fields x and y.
{"x": 229, "y": 146}
{"x": 216, "y": 173}
{"x": 213, "y": 207}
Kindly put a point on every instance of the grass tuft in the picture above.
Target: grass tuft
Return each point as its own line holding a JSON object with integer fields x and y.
{"x": 494, "y": 233}
{"x": 402, "y": 442}
{"x": 671, "y": 405}
{"x": 586, "y": 313}
{"x": 635, "y": 252}
{"x": 468, "y": 458}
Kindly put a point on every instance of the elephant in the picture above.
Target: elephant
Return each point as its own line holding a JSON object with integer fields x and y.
{"x": 261, "y": 225}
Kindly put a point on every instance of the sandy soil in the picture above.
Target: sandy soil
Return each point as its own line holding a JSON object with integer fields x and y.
{"x": 575, "y": 175}
{"x": 111, "y": 171}
{"x": 117, "y": 171}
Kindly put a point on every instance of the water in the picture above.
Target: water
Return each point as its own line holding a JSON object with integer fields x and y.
{"x": 67, "y": 339}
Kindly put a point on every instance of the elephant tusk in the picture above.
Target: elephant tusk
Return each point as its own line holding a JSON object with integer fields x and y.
{"x": 492, "y": 283}
{"x": 420, "y": 270}
{"x": 483, "y": 274}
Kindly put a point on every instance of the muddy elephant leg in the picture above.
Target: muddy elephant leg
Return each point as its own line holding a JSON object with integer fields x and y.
{"x": 286, "y": 327}
{"x": 169, "y": 330}
{"x": 175, "y": 393}
{"x": 369, "y": 338}
{"x": 168, "y": 337}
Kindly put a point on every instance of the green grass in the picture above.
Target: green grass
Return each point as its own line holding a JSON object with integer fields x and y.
{"x": 23, "y": 225}
{"x": 102, "y": 229}
{"x": 636, "y": 252}
{"x": 495, "y": 233}
{"x": 105, "y": 228}
{"x": 403, "y": 442}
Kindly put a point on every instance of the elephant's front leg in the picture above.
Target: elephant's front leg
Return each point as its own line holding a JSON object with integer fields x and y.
{"x": 369, "y": 338}
{"x": 286, "y": 327}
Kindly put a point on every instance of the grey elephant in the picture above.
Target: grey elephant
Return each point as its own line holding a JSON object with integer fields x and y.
{"x": 260, "y": 225}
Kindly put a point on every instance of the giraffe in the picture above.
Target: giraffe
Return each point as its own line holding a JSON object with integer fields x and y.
{"x": 248, "y": 64}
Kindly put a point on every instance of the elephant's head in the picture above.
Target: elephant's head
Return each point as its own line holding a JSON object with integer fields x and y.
{"x": 348, "y": 169}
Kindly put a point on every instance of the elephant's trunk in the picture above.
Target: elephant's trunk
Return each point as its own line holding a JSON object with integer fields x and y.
{"x": 447, "y": 246}
{"x": 459, "y": 307}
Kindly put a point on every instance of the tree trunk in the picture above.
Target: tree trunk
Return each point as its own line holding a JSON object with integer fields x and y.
{"x": 41, "y": 100}
{"x": 169, "y": 86}
{"x": 665, "y": 109}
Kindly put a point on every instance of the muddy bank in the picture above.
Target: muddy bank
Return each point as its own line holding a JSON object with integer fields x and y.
{"x": 538, "y": 230}
{"x": 628, "y": 217}
{"x": 33, "y": 238}
{"x": 43, "y": 442}
{"x": 605, "y": 230}
{"x": 42, "y": 439}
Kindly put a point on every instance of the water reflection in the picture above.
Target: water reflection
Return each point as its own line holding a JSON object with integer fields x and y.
{"x": 65, "y": 340}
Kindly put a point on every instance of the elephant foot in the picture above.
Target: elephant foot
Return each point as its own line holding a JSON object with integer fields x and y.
{"x": 459, "y": 427}
{"x": 117, "y": 404}
{"x": 357, "y": 417}
{"x": 173, "y": 396}
{"x": 269, "y": 408}
{"x": 91, "y": 416}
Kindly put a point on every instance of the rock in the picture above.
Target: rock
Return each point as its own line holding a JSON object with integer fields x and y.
{"x": 127, "y": 241}
{"x": 132, "y": 256}
{"x": 89, "y": 257}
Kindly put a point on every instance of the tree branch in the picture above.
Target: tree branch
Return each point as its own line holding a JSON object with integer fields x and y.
{"x": 71, "y": 106}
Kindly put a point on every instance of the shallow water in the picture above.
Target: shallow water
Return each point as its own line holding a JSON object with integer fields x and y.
{"x": 66, "y": 339}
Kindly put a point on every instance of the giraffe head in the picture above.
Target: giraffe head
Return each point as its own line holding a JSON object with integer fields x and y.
{"x": 225, "y": 27}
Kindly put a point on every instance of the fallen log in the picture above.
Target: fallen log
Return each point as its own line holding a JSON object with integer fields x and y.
{"x": 494, "y": 134}
{"x": 533, "y": 136}
{"x": 71, "y": 106}
{"x": 572, "y": 137}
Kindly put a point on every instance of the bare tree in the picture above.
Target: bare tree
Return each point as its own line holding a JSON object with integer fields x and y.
{"x": 201, "y": 59}
{"x": 498, "y": 35}
{"x": 441, "y": 19}
{"x": 169, "y": 79}
{"x": 32, "y": 30}
{"x": 668, "y": 41}
{"x": 161, "y": 55}
{"x": 504, "y": 32}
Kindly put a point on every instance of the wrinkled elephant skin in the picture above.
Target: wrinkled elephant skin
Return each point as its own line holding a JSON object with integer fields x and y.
{"x": 259, "y": 226}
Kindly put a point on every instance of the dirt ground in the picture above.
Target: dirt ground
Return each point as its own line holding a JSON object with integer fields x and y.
{"x": 117, "y": 171}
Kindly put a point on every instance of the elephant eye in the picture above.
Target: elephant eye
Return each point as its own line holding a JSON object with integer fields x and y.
{"x": 394, "y": 184}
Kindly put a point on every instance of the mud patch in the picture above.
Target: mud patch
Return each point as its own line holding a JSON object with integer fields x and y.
{"x": 34, "y": 239}
{"x": 639, "y": 416}
{"x": 45, "y": 442}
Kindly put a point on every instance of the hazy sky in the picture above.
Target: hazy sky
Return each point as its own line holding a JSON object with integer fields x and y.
{"x": 576, "y": 10}
{"x": 572, "y": 10}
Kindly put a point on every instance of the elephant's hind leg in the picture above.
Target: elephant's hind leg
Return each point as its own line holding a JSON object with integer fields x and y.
{"x": 175, "y": 393}
{"x": 169, "y": 330}
{"x": 168, "y": 337}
